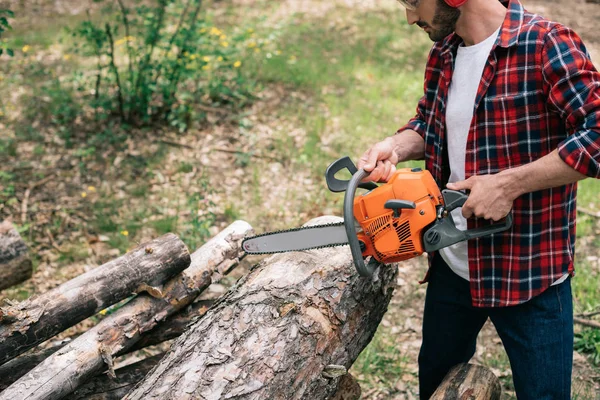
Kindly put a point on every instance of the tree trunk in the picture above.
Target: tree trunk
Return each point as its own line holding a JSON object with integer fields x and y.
{"x": 288, "y": 329}
{"x": 94, "y": 350}
{"x": 469, "y": 382}
{"x": 104, "y": 387}
{"x": 26, "y": 324}
{"x": 171, "y": 328}
{"x": 15, "y": 264}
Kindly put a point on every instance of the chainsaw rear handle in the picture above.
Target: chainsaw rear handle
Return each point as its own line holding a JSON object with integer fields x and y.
{"x": 444, "y": 233}
{"x": 355, "y": 248}
{"x": 337, "y": 185}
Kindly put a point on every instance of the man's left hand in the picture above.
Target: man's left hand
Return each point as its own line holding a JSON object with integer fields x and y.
{"x": 488, "y": 197}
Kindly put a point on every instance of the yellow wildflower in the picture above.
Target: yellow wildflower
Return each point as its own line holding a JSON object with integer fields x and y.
{"x": 257, "y": 50}
{"x": 67, "y": 57}
{"x": 193, "y": 57}
{"x": 223, "y": 37}
{"x": 83, "y": 194}
{"x": 215, "y": 31}
{"x": 206, "y": 58}
{"x": 250, "y": 30}
{"x": 220, "y": 58}
{"x": 206, "y": 67}
{"x": 26, "y": 48}
{"x": 224, "y": 44}
{"x": 252, "y": 44}
{"x": 125, "y": 233}
{"x": 103, "y": 312}
{"x": 237, "y": 64}
{"x": 202, "y": 30}
{"x": 91, "y": 188}
{"x": 277, "y": 52}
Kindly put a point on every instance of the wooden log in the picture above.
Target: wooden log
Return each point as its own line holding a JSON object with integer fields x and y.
{"x": 104, "y": 387}
{"x": 469, "y": 381}
{"x": 171, "y": 328}
{"x": 287, "y": 330}
{"x": 93, "y": 351}
{"x": 15, "y": 264}
{"x": 26, "y": 324}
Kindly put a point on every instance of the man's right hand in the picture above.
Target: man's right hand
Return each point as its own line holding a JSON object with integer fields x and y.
{"x": 381, "y": 159}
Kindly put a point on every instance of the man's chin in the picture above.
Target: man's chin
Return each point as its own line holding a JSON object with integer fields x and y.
{"x": 437, "y": 36}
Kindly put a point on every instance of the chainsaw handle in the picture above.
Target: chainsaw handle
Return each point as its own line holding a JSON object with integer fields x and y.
{"x": 359, "y": 263}
{"x": 444, "y": 233}
{"x": 337, "y": 185}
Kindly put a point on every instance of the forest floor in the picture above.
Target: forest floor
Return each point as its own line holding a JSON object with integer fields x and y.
{"x": 84, "y": 211}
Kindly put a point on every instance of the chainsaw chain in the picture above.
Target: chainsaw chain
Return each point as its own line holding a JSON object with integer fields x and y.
{"x": 302, "y": 228}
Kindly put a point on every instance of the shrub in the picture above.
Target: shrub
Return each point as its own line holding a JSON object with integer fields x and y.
{"x": 164, "y": 62}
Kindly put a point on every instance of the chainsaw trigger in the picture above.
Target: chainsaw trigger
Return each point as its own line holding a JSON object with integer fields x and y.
{"x": 453, "y": 199}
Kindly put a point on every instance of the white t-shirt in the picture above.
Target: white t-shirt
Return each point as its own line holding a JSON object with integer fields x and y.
{"x": 468, "y": 69}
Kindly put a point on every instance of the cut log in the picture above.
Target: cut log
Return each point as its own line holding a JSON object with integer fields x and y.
{"x": 15, "y": 264}
{"x": 104, "y": 387}
{"x": 287, "y": 330}
{"x": 93, "y": 351}
{"x": 469, "y": 381}
{"x": 171, "y": 328}
{"x": 26, "y": 324}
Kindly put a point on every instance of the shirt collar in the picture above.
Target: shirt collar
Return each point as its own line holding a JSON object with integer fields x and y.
{"x": 509, "y": 32}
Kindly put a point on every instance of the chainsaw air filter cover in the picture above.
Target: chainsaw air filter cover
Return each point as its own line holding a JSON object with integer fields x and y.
{"x": 393, "y": 216}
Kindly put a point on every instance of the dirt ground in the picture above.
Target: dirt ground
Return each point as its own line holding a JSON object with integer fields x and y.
{"x": 404, "y": 316}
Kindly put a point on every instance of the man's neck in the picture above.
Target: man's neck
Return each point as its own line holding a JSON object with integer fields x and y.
{"x": 479, "y": 19}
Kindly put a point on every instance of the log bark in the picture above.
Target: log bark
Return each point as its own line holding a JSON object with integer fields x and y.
{"x": 469, "y": 382}
{"x": 93, "y": 351}
{"x": 15, "y": 264}
{"x": 104, "y": 387}
{"x": 26, "y": 324}
{"x": 171, "y": 328}
{"x": 289, "y": 329}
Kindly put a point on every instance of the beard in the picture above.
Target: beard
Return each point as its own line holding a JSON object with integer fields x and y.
{"x": 444, "y": 21}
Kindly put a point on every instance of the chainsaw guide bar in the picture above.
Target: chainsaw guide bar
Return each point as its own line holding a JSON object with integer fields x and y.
{"x": 323, "y": 232}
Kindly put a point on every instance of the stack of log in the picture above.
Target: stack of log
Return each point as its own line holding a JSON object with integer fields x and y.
{"x": 289, "y": 328}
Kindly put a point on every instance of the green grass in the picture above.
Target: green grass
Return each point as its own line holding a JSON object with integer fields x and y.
{"x": 381, "y": 364}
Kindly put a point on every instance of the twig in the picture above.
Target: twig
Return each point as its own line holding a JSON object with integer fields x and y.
{"x": 170, "y": 143}
{"x": 25, "y": 202}
{"x": 52, "y": 241}
{"x": 586, "y": 322}
{"x": 113, "y": 66}
{"x": 250, "y": 154}
{"x": 595, "y": 214}
{"x": 589, "y": 314}
{"x": 211, "y": 109}
{"x": 124, "y": 12}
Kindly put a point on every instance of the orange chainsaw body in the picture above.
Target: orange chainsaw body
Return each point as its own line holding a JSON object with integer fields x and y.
{"x": 391, "y": 236}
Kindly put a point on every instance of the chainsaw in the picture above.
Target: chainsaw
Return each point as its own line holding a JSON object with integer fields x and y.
{"x": 391, "y": 222}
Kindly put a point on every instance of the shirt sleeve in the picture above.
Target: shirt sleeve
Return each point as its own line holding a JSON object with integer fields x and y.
{"x": 574, "y": 92}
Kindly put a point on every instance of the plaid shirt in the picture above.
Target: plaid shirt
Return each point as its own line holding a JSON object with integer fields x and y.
{"x": 539, "y": 92}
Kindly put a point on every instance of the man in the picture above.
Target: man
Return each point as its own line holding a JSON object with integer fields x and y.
{"x": 511, "y": 113}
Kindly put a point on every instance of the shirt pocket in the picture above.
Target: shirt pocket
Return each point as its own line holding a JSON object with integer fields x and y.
{"x": 517, "y": 123}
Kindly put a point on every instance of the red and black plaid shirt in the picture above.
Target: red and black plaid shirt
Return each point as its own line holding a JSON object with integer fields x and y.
{"x": 539, "y": 92}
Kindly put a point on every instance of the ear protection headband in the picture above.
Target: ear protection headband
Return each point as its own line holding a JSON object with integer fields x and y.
{"x": 455, "y": 3}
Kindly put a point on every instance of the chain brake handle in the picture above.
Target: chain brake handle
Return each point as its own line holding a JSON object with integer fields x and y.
{"x": 338, "y": 185}
{"x": 444, "y": 232}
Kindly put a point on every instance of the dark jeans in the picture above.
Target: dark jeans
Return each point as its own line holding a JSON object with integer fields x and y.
{"x": 537, "y": 335}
